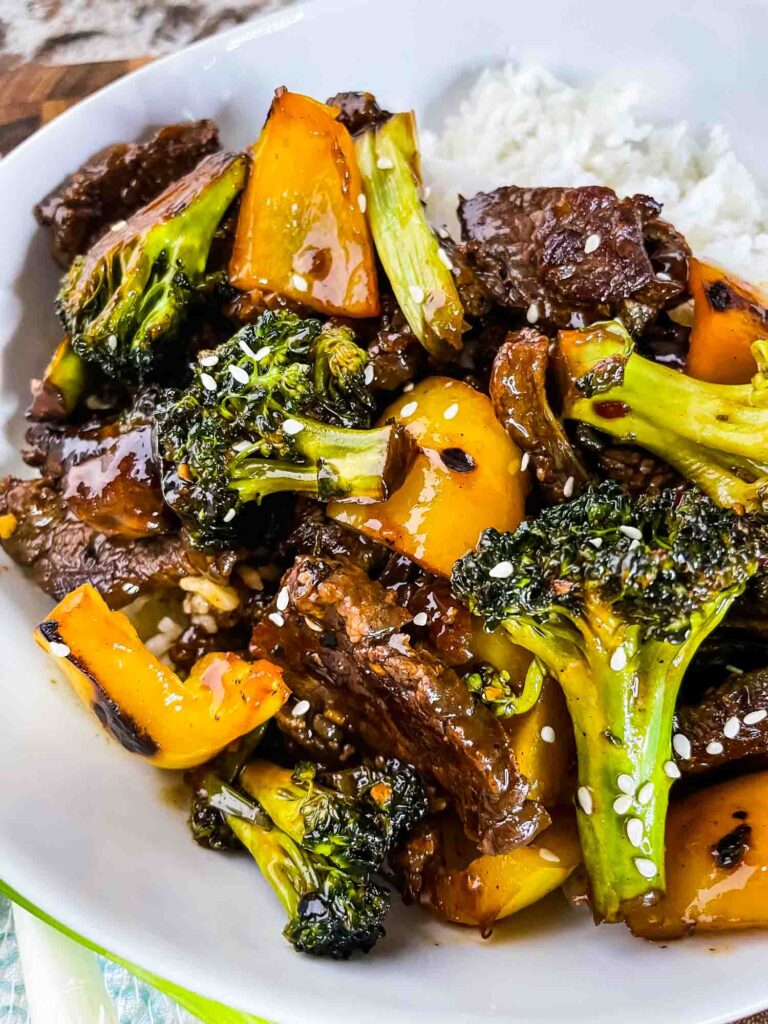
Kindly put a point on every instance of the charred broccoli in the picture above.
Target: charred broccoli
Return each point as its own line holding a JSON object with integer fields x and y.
{"x": 354, "y": 829}
{"x": 278, "y": 407}
{"x": 614, "y": 598}
{"x": 331, "y": 912}
{"x": 715, "y": 435}
{"x": 124, "y": 300}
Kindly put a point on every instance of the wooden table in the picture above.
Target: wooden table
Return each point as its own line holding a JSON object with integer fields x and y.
{"x": 33, "y": 94}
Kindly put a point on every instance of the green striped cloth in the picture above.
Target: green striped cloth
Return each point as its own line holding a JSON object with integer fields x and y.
{"x": 135, "y": 1002}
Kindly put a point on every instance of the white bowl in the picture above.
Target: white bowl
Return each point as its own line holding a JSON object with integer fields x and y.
{"x": 86, "y": 830}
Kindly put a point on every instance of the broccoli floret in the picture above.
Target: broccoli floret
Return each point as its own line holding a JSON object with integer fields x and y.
{"x": 715, "y": 435}
{"x": 390, "y": 789}
{"x": 125, "y": 299}
{"x": 614, "y": 598}
{"x": 492, "y": 686}
{"x": 279, "y": 407}
{"x": 356, "y": 827}
{"x": 330, "y": 912}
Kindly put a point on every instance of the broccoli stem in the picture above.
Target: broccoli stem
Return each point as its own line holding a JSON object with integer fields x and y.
{"x": 388, "y": 157}
{"x": 342, "y": 463}
{"x": 715, "y": 435}
{"x": 621, "y": 693}
{"x": 283, "y": 864}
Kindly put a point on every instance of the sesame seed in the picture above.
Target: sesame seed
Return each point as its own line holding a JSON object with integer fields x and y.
{"x": 592, "y": 242}
{"x": 632, "y": 532}
{"x": 58, "y": 649}
{"x": 548, "y": 734}
{"x": 645, "y": 793}
{"x": 715, "y": 748}
{"x": 671, "y": 770}
{"x": 277, "y": 618}
{"x": 596, "y": 542}
{"x": 443, "y": 232}
{"x": 622, "y": 804}
{"x": 618, "y": 659}
{"x": 662, "y": 276}
{"x": 362, "y": 202}
{"x": 408, "y": 387}
{"x": 368, "y": 374}
{"x": 755, "y": 716}
{"x": 262, "y": 353}
{"x": 208, "y": 360}
{"x": 112, "y": 341}
{"x": 451, "y": 411}
{"x": 208, "y": 382}
{"x": 444, "y": 258}
{"x": 130, "y": 588}
{"x": 525, "y": 461}
{"x": 245, "y": 347}
{"x": 646, "y": 867}
{"x": 118, "y": 225}
{"x": 584, "y": 796}
{"x": 420, "y": 619}
{"x": 299, "y": 283}
{"x": 239, "y": 374}
{"x": 314, "y": 626}
{"x": 500, "y": 571}
{"x": 568, "y": 487}
{"x": 532, "y": 314}
{"x": 681, "y": 745}
{"x": 735, "y": 670}
{"x": 282, "y": 600}
{"x": 417, "y": 294}
{"x": 230, "y": 515}
{"x": 301, "y": 708}
{"x": 409, "y": 409}
{"x": 292, "y": 427}
{"x": 426, "y": 192}
{"x": 732, "y": 728}
{"x": 634, "y": 828}
{"x": 626, "y": 784}
{"x": 548, "y": 855}
{"x": 384, "y": 163}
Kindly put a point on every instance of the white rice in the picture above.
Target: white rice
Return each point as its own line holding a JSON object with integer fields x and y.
{"x": 522, "y": 126}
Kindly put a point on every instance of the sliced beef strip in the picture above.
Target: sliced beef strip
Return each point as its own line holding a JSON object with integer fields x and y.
{"x": 704, "y": 724}
{"x": 358, "y": 111}
{"x": 519, "y": 394}
{"x": 534, "y": 249}
{"x": 61, "y": 552}
{"x": 638, "y": 471}
{"x": 314, "y": 533}
{"x": 395, "y": 354}
{"x": 114, "y": 183}
{"x": 344, "y": 642}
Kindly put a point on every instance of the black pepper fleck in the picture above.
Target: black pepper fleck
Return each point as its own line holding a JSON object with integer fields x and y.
{"x": 729, "y": 851}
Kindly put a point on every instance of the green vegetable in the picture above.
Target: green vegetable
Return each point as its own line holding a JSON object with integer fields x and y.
{"x": 423, "y": 283}
{"x": 330, "y": 912}
{"x": 715, "y": 435}
{"x": 355, "y": 830}
{"x": 280, "y": 410}
{"x": 614, "y": 598}
{"x": 123, "y": 302}
{"x": 493, "y": 687}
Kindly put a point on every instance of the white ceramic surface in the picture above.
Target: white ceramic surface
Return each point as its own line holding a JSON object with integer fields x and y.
{"x": 86, "y": 830}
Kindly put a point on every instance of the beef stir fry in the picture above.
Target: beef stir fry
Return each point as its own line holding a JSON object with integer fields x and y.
{"x": 418, "y": 554}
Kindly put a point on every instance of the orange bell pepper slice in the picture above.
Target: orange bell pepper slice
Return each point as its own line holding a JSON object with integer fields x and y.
{"x": 728, "y": 316}
{"x": 466, "y": 477}
{"x": 302, "y": 231}
{"x": 141, "y": 701}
